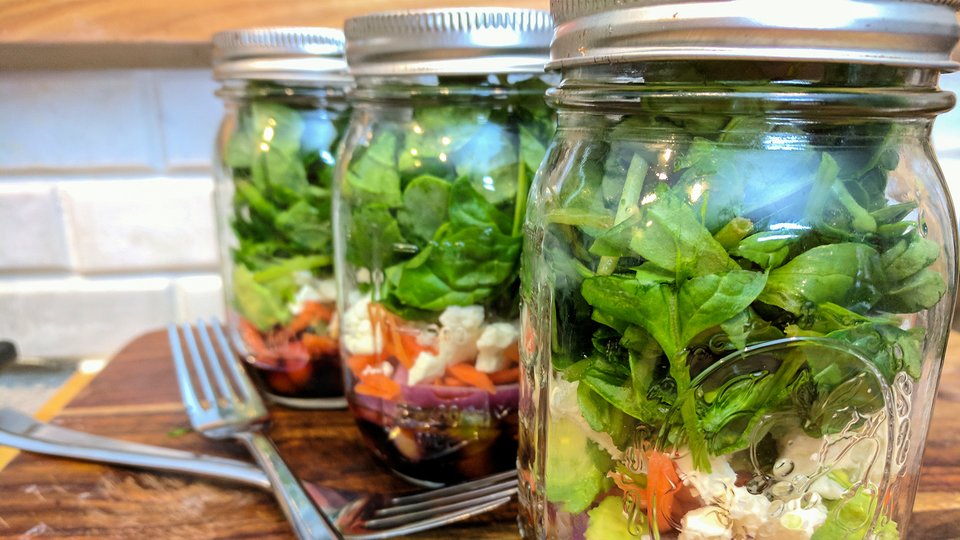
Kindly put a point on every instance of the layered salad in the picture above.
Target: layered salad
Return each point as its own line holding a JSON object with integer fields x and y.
{"x": 431, "y": 208}
{"x": 727, "y": 326}
{"x": 280, "y": 157}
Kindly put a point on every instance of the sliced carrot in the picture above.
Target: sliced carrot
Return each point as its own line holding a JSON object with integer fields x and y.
{"x": 658, "y": 494}
{"x": 413, "y": 346}
{"x": 253, "y": 339}
{"x": 662, "y": 485}
{"x": 505, "y": 376}
{"x": 397, "y": 343}
{"x": 377, "y": 315}
{"x": 452, "y": 381}
{"x": 397, "y": 348}
{"x": 318, "y": 345}
{"x": 311, "y": 313}
{"x": 470, "y": 375}
{"x": 378, "y": 385}
{"x": 358, "y": 362}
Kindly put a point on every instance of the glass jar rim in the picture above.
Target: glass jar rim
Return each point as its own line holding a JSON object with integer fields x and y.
{"x": 919, "y": 33}
{"x": 450, "y": 41}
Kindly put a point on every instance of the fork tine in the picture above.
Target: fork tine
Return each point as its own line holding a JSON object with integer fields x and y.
{"x": 183, "y": 374}
{"x": 241, "y": 379}
{"x": 215, "y": 362}
{"x": 428, "y": 524}
{"x": 431, "y": 512}
{"x": 198, "y": 365}
{"x": 505, "y": 488}
{"x": 432, "y": 523}
{"x": 452, "y": 490}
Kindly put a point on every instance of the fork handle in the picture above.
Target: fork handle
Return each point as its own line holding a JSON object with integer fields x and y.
{"x": 307, "y": 521}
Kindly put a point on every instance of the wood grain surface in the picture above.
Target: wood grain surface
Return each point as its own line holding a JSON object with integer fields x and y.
{"x": 187, "y": 21}
{"x": 135, "y": 398}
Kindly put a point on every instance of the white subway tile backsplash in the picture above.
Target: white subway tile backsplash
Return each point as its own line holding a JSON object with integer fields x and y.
{"x": 77, "y": 317}
{"x": 199, "y": 297}
{"x": 135, "y": 225}
{"x": 31, "y": 229}
{"x": 189, "y": 114}
{"x": 54, "y": 121}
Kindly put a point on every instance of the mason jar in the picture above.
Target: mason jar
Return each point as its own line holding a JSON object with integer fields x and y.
{"x": 448, "y": 128}
{"x": 738, "y": 272}
{"x": 285, "y": 111}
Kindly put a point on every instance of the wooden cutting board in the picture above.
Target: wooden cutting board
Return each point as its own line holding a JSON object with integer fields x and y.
{"x": 135, "y": 398}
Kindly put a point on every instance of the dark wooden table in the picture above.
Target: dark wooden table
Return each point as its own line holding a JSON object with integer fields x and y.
{"x": 135, "y": 398}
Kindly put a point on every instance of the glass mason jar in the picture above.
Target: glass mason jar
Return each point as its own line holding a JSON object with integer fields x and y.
{"x": 447, "y": 132}
{"x": 738, "y": 276}
{"x": 284, "y": 92}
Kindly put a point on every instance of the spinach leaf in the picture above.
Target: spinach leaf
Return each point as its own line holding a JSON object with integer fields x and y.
{"x": 768, "y": 249}
{"x": 373, "y": 237}
{"x": 670, "y": 236}
{"x": 373, "y": 176}
{"x": 474, "y": 257}
{"x": 613, "y": 382}
{"x": 763, "y": 186}
{"x": 415, "y": 286}
{"x": 306, "y": 226}
{"x": 890, "y": 348}
{"x": 469, "y": 209}
{"x": 710, "y": 300}
{"x": 848, "y": 274}
{"x": 674, "y": 317}
{"x": 603, "y": 416}
{"x": 727, "y": 414}
{"x": 918, "y": 292}
{"x": 424, "y": 210}
{"x": 909, "y": 256}
{"x": 489, "y": 160}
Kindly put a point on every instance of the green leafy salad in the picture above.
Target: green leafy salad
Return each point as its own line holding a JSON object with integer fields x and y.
{"x": 435, "y": 207}
{"x": 438, "y": 202}
{"x": 431, "y": 207}
{"x": 686, "y": 256}
{"x": 280, "y": 156}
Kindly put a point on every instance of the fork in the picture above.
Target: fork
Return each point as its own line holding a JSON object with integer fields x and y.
{"x": 353, "y": 516}
{"x": 241, "y": 415}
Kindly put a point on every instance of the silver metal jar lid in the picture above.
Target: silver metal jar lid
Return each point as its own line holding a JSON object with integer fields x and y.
{"x": 918, "y": 33}
{"x": 309, "y": 54}
{"x": 449, "y": 41}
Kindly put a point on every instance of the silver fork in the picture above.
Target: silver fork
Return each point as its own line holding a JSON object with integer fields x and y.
{"x": 356, "y": 516}
{"x": 241, "y": 415}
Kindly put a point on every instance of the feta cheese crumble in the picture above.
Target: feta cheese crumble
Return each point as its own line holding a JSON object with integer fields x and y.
{"x": 358, "y": 332}
{"x": 460, "y": 327}
{"x": 312, "y": 289}
{"x": 492, "y": 345}
{"x": 734, "y": 512}
{"x": 705, "y": 523}
{"x": 425, "y": 367}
